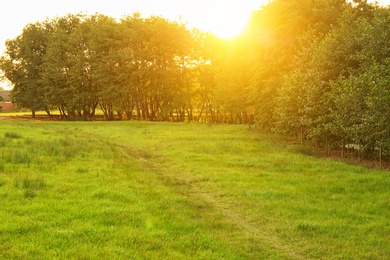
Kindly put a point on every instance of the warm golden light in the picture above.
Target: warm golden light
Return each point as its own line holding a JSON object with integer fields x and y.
{"x": 226, "y": 19}
{"x": 223, "y": 18}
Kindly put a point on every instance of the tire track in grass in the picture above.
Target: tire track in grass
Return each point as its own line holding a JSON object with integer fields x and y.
{"x": 183, "y": 183}
{"x": 195, "y": 193}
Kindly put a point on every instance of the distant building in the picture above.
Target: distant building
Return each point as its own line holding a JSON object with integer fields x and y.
{"x": 5, "y": 102}
{"x": 6, "y": 95}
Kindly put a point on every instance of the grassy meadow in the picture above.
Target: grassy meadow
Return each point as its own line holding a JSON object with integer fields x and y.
{"x": 148, "y": 190}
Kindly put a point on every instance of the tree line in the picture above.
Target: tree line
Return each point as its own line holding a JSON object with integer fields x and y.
{"x": 144, "y": 68}
{"x": 322, "y": 73}
{"x": 317, "y": 69}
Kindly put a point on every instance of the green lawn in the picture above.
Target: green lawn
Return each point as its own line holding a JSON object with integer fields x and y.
{"x": 148, "y": 190}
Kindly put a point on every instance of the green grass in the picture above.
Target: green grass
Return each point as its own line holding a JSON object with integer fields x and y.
{"x": 145, "y": 190}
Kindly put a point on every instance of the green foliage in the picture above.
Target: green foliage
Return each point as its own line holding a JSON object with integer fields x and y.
{"x": 276, "y": 34}
{"x": 330, "y": 95}
{"x": 22, "y": 65}
{"x": 76, "y": 63}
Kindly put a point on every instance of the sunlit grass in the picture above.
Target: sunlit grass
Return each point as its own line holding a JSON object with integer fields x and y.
{"x": 38, "y": 114}
{"x": 145, "y": 190}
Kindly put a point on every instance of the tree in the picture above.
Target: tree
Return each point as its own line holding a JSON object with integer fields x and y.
{"x": 339, "y": 83}
{"x": 291, "y": 111}
{"x": 204, "y": 65}
{"x": 323, "y": 60}
{"x": 232, "y": 80}
{"x": 57, "y": 66}
{"x": 157, "y": 53}
{"x": 23, "y": 64}
{"x": 96, "y": 39}
{"x": 275, "y": 32}
{"x": 378, "y": 113}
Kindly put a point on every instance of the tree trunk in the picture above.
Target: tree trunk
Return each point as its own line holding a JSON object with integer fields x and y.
{"x": 47, "y": 111}
{"x": 300, "y": 135}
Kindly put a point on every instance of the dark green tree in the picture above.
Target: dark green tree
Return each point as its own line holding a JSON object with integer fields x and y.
{"x": 97, "y": 65}
{"x": 23, "y": 64}
{"x": 60, "y": 90}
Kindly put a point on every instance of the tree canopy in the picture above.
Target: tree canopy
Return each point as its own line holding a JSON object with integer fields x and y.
{"x": 318, "y": 69}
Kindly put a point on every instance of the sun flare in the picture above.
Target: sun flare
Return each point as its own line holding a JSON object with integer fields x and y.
{"x": 226, "y": 19}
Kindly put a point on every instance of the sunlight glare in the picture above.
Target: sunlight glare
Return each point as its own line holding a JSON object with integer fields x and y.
{"x": 225, "y": 19}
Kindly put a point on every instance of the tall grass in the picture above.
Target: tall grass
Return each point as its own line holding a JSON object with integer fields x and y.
{"x": 145, "y": 190}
